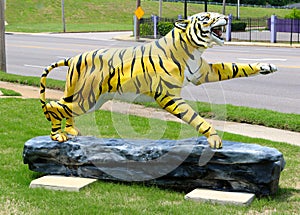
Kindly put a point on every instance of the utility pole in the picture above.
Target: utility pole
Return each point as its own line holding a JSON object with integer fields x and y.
{"x": 2, "y": 37}
{"x": 63, "y": 15}
{"x": 238, "y": 9}
{"x": 137, "y": 22}
{"x": 223, "y": 7}
{"x": 185, "y": 9}
{"x": 160, "y": 8}
{"x": 205, "y": 6}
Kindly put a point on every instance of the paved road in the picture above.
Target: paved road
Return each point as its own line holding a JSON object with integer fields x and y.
{"x": 29, "y": 54}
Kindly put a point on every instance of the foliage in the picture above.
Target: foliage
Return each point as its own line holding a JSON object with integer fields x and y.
{"x": 164, "y": 28}
{"x": 295, "y": 14}
{"x": 238, "y": 26}
{"x": 147, "y": 30}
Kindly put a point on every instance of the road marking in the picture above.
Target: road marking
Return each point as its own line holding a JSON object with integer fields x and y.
{"x": 263, "y": 59}
{"x": 290, "y": 67}
{"x": 34, "y": 66}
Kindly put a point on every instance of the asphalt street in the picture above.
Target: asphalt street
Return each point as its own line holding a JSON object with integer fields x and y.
{"x": 28, "y": 54}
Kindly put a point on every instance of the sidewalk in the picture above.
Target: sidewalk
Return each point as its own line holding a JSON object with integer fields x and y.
{"x": 254, "y": 131}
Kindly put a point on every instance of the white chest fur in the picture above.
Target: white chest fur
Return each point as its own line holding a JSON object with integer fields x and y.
{"x": 192, "y": 69}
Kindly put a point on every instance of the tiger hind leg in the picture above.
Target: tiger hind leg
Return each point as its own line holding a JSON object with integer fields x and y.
{"x": 56, "y": 112}
{"x": 70, "y": 127}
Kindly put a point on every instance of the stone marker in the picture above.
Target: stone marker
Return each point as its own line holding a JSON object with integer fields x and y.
{"x": 61, "y": 183}
{"x": 236, "y": 198}
{"x": 181, "y": 165}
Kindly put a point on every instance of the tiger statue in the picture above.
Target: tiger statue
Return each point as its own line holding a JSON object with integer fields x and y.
{"x": 158, "y": 69}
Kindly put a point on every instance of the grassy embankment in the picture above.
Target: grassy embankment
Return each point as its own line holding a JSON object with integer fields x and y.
{"x": 104, "y": 15}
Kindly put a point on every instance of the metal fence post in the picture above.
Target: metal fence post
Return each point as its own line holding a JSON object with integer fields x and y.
{"x": 228, "y": 30}
{"x": 273, "y": 29}
{"x": 155, "y": 21}
{"x": 250, "y": 29}
{"x": 291, "y": 37}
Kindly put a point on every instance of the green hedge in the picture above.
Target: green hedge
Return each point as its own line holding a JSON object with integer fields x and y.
{"x": 238, "y": 26}
{"x": 164, "y": 28}
{"x": 146, "y": 30}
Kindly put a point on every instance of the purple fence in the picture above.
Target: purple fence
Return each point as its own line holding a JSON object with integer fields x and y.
{"x": 286, "y": 25}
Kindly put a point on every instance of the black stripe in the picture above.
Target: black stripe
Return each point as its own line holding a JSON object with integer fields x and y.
{"x": 78, "y": 65}
{"x": 181, "y": 103}
{"x": 110, "y": 77}
{"x": 176, "y": 62}
{"x": 162, "y": 65}
{"x": 142, "y": 59}
{"x": 93, "y": 62}
{"x": 68, "y": 99}
{"x": 250, "y": 67}
{"x": 181, "y": 115}
{"x": 121, "y": 56}
{"x": 198, "y": 126}
{"x": 235, "y": 70}
{"x": 188, "y": 67}
{"x": 193, "y": 41}
{"x": 206, "y": 77}
{"x": 169, "y": 85}
{"x": 246, "y": 75}
{"x": 173, "y": 39}
{"x": 119, "y": 86}
{"x": 151, "y": 60}
{"x": 220, "y": 77}
{"x": 42, "y": 90}
{"x": 132, "y": 65}
{"x": 185, "y": 47}
{"x": 193, "y": 117}
{"x": 160, "y": 47}
{"x": 169, "y": 103}
{"x": 204, "y": 132}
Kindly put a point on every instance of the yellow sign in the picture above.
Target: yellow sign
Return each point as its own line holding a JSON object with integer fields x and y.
{"x": 139, "y": 12}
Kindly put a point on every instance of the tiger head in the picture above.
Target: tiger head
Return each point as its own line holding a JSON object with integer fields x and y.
{"x": 203, "y": 29}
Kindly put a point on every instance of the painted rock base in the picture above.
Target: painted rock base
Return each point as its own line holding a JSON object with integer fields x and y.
{"x": 173, "y": 164}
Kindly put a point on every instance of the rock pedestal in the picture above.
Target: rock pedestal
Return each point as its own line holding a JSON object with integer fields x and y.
{"x": 174, "y": 164}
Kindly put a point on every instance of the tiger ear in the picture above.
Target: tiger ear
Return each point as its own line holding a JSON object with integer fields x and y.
{"x": 182, "y": 24}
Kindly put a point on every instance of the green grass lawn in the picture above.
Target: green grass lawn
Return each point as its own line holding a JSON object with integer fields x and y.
{"x": 220, "y": 112}
{"x": 103, "y": 15}
{"x": 23, "y": 119}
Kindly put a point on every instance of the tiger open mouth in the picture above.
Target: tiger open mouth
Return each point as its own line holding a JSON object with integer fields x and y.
{"x": 217, "y": 31}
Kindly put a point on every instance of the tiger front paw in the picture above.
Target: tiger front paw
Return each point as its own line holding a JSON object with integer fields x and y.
{"x": 266, "y": 68}
{"x": 214, "y": 141}
{"x": 59, "y": 136}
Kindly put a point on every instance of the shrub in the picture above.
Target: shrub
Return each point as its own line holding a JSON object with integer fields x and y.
{"x": 164, "y": 28}
{"x": 146, "y": 30}
{"x": 294, "y": 14}
{"x": 238, "y": 26}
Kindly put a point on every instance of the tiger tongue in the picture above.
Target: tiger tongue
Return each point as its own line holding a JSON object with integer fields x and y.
{"x": 218, "y": 32}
